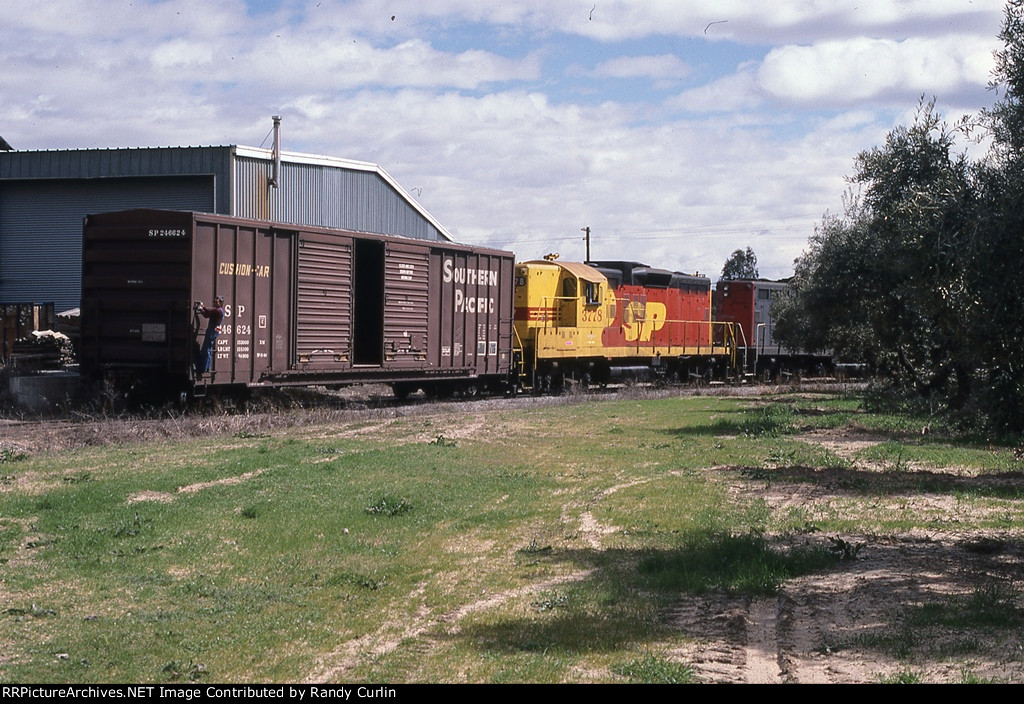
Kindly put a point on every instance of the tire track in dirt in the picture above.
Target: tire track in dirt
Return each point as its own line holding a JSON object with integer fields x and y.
{"x": 165, "y": 497}
{"x": 591, "y": 530}
{"x": 756, "y": 657}
{"x": 761, "y": 651}
{"x": 386, "y": 639}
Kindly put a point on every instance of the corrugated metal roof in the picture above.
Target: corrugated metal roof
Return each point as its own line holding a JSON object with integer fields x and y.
{"x": 320, "y": 205}
{"x": 360, "y": 184}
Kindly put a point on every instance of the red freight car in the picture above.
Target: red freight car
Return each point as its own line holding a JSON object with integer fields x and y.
{"x": 747, "y": 303}
{"x": 303, "y": 305}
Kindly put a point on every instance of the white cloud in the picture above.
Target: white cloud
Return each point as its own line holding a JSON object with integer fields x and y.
{"x": 663, "y": 66}
{"x": 514, "y": 170}
{"x": 736, "y": 92}
{"x": 106, "y": 20}
{"x": 856, "y": 69}
{"x": 801, "y": 21}
{"x": 182, "y": 53}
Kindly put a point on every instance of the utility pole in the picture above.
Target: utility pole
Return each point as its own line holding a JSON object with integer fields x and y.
{"x": 587, "y": 230}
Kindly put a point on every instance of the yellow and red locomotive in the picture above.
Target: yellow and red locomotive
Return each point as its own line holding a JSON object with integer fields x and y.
{"x": 605, "y": 321}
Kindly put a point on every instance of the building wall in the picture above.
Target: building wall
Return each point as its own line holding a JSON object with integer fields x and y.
{"x": 44, "y": 196}
{"x": 87, "y": 164}
{"x": 41, "y": 227}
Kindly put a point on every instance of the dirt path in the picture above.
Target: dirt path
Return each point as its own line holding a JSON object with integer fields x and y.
{"x": 387, "y": 638}
{"x": 854, "y": 623}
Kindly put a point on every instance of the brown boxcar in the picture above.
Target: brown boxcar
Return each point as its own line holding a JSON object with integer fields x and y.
{"x": 303, "y": 305}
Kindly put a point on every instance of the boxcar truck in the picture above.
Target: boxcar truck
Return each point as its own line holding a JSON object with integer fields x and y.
{"x": 303, "y": 305}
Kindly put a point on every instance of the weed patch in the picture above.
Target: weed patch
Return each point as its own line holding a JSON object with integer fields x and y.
{"x": 534, "y": 548}
{"x": 993, "y": 605}
{"x": 843, "y": 549}
{"x": 389, "y": 505}
{"x": 9, "y": 455}
{"x": 651, "y": 669}
{"x": 189, "y": 672}
{"x": 33, "y": 611}
{"x": 370, "y": 582}
{"x": 772, "y": 420}
{"x": 902, "y": 677}
{"x": 548, "y": 602}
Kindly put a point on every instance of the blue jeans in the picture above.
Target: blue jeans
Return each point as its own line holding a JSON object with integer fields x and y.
{"x": 206, "y": 353}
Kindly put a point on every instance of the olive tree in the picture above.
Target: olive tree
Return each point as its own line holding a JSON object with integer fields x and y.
{"x": 741, "y": 264}
{"x": 920, "y": 274}
{"x": 882, "y": 282}
{"x": 997, "y": 259}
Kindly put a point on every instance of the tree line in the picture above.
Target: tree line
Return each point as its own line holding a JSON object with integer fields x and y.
{"x": 919, "y": 275}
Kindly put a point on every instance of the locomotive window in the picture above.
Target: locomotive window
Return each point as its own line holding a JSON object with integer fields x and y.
{"x": 569, "y": 288}
{"x": 593, "y": 292}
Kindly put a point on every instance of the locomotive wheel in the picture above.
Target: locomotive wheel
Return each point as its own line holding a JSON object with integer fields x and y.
{"x": 557, "y": 383}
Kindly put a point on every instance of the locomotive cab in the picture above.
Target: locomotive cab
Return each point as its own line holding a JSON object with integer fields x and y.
{"x": 561, "y": 311}
{"x": 561, "y": 295}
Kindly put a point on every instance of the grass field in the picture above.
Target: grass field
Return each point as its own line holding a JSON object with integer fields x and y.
{"x": 526, "y": 544}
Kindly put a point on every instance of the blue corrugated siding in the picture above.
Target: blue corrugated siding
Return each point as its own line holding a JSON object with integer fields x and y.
{"x": 327, "y": 196}
{"x": 125, "y": 163}
{"x": 41, "y": 227}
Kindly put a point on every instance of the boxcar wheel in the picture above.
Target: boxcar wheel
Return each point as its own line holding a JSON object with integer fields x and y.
{"x": 402, "y": 391}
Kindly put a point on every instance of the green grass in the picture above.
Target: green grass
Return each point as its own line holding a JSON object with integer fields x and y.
{"x": 735, "y": 564}
{"x": 994, "y": 605}
{"x": 446, "y": 555}
{"x": 902, "y": 677}
{"x": 651, "y": 669}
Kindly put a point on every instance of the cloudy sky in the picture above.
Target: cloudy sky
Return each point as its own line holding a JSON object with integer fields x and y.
{"x": 677, "y": 130}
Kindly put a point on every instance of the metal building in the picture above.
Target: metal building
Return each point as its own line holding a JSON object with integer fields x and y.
{"x": 44, "y": 196}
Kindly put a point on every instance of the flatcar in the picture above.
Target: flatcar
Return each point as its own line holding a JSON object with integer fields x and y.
{"x": 747, "y": 304}
{"x": 604, "y": 321}
{"x": 302, "y": 305}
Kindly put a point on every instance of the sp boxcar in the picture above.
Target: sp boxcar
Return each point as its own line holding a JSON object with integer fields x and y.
{"x": 301, "y": 305}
